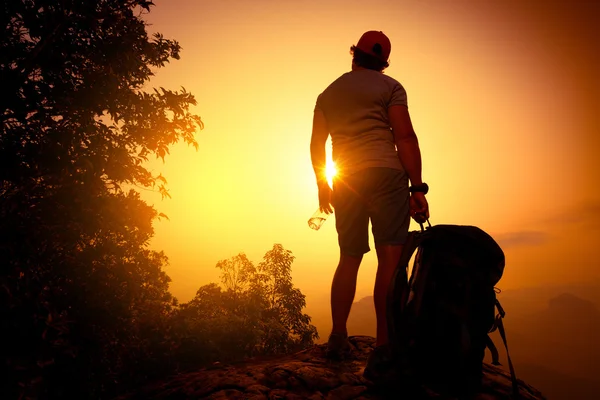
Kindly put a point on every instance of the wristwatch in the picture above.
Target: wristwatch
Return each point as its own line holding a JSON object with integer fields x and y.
{"x": 422, "y": 188}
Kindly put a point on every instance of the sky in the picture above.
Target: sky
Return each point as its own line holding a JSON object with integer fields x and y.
{"x": 504, "y": 98}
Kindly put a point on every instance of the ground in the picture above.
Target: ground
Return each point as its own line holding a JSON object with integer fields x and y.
{"x": 308, "y": 375}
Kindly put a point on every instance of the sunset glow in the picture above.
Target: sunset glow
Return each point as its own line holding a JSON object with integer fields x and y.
{"x": 502, "y": 101}
{"x": 167, "y": 229}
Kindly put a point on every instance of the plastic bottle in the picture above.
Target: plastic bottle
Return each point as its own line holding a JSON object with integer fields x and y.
{"x": 318, "y": 219}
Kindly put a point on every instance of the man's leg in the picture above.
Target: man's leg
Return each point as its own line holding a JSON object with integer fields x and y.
{"x": 343, "y": 289}
{"x": 388, "y": 210}
{"x": 387, "y": 257}
{"x": 380, "y": 361}
{"x": 352, "y": 226}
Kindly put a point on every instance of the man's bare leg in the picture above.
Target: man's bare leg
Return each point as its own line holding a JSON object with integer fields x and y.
{"x": 343, "y": 289}
{"x": 387, "y": 257}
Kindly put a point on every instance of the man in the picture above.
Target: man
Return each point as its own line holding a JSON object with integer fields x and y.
{"x": 376, "y": 153}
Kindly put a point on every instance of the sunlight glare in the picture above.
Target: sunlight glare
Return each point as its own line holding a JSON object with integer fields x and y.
{"x": 330, "y": 171}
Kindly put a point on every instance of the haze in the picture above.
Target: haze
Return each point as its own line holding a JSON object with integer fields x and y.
{"x": 503, "y": 97}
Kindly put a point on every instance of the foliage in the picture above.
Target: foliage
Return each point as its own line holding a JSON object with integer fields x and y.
{"x": 288, "y": 327}
{"x": 84, "y": 302}
{"x": 257, "y": 312}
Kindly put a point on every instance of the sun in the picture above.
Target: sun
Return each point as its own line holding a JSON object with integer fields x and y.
{"x": 330, "y": 171}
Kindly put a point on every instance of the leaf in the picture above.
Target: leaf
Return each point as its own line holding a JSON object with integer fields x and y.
{"x": 161, "y": 178}
{"x": 162, "y": 215}
{"x": 146, "y": 5}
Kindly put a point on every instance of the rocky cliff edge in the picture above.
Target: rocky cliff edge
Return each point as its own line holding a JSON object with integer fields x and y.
{"x": 309, "y": 375}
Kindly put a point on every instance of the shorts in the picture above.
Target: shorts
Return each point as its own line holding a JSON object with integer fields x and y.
{"x": 376, "y": 194}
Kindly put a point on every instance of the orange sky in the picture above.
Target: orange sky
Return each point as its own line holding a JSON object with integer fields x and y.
{"x": 503, "y": 96}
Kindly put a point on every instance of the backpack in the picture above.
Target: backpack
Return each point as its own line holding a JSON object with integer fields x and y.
{"x": 440, "y": 319}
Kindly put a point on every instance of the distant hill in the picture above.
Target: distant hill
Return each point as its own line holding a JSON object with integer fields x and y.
{"x": 556, "y": 347}
{"x": 563, "y": 336}
{"x": 362, "y": 319}
{"x": 519, "y": 302}
{"x": 556, "y": 385}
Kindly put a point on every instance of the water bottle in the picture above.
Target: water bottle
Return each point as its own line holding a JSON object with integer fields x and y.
{"x": 318, "y": 219}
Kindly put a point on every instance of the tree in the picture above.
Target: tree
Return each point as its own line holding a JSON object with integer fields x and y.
{"x": 237, "y": 272}
{"x": 259, "y": 312}
{"x": 287, "y": 328}
{"x": 217, "y": 325}
{"x": 83, "y": 300}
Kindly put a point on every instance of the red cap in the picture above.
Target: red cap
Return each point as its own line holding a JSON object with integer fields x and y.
{"x": 376, "y": 44}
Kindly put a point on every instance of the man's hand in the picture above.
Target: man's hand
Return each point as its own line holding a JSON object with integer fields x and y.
{"x": 419, "y": 208}
{"x": 325, "y": 198}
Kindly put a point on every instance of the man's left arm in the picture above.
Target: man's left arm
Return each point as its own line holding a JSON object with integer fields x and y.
{"x": 320, "y": 133}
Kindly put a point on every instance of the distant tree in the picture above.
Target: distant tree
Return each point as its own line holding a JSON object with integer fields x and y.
{"x": 216, "y": 325}
{"x": 236, "y": 273}
{"x": 256, "y": 312}
{"x": 286, "y": 326}
{"x": 84, "y": 302}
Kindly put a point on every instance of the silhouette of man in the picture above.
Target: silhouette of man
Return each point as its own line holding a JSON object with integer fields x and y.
{"x": 376, "y": 153}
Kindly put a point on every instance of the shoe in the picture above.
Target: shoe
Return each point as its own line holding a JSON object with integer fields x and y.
{"x": 380, "y": 364}
{"x": 338, "y": 346}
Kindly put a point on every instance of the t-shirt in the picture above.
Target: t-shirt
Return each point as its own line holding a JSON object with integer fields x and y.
{"x": 355, "y": 107}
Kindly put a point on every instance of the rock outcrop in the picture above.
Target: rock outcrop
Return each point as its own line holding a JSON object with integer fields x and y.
{"x": 307, "y": 375}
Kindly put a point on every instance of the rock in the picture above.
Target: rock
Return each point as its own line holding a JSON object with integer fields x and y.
{"x": 306, "y": 375}
{"x": 346, "y": 392}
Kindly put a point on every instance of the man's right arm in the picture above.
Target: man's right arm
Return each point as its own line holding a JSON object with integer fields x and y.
{"x": 409, "y": 154}
{"x": 407, "y": 143}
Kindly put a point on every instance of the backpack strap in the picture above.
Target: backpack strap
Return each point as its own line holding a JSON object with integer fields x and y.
{"x": 489, "y": 343}
{"x": 412, "y": 243}
{"x": 500, "y": 325}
